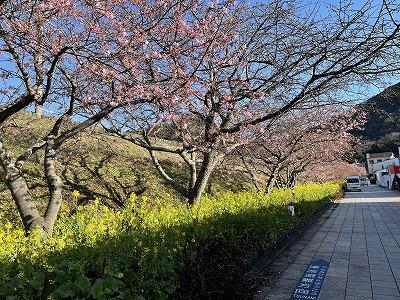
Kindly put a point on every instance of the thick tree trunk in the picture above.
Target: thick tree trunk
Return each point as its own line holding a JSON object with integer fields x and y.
{"x": 270, "y": 183}
{"x": 38, "y": 111}
{"x": 272, "y": 179}
{"x": 17, "y": 185}
{"x": 55, "y": 185}
{"x": 26, "y": 207}
{"x": 193, "y": 170}
{"x": 209, "y": 162}
{"x": 20, "y": 192}
{"x": 293, "y": 179}
{"x": 193, "y": 173}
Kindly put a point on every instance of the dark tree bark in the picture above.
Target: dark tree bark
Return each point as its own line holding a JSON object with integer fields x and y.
{"x": 22, "y": 103}
{"x": 210, "y": 160}
{"x": 55, "y": 186}
{"x": 13, "y": 173}
{"x": 272, "y": 178}
{"x": 20, "y": 192}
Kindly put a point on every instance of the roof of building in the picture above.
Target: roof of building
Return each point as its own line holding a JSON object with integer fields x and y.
{"x": 380, "y": 154}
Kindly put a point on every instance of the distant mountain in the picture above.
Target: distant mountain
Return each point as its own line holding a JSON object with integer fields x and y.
{"x": 382, "y": 128}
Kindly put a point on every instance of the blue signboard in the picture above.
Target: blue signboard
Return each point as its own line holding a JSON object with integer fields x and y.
{"x": 310, "y": 284}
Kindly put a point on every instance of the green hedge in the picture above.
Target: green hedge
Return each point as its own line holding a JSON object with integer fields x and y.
{"x": 147, "y": 249}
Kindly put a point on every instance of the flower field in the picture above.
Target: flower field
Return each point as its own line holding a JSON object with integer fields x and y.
{"x": 144, "y": 250}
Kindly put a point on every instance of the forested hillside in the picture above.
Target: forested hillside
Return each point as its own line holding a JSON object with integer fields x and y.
{"x": 382, "y": 127}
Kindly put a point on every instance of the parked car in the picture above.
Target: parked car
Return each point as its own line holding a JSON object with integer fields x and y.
{"x": 353, "y": 183}
{"x": 364, "y": 181}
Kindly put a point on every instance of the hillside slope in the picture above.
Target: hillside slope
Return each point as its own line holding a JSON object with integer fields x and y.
{"x": 382, "y": 127}
{"x": 100, "y": 165}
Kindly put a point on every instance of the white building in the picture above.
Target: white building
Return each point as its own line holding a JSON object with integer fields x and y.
{"x": 385, "y": 170}
{"x": 383, "y": 173}
{"x": 373, "y": 158}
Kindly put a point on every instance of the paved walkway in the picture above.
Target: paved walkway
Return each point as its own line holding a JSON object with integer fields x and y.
{"x": 360, "y": 238}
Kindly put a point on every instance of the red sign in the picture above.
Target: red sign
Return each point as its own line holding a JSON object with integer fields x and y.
{"x": 394, "y": 169}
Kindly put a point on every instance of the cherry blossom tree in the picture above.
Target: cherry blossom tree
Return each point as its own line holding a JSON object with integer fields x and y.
{"x": 209, "y": 75}
{"x": 299, "y": 142}
{"x": 38, "y": 42}
{"x": 59, "y": 53}
{"x": 336, "y": 170}
{"x": 233, "y": 70}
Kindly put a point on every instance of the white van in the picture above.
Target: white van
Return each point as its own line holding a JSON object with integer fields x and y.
{"x": 353, "y": 183}
{"x": 364, "y": 181}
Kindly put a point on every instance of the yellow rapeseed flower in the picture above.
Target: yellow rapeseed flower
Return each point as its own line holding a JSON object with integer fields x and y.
{"x": 75, "y": 194}
{"x": 8, "y": 225}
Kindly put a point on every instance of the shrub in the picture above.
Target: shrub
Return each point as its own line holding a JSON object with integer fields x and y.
{"x": 142, "y": 250}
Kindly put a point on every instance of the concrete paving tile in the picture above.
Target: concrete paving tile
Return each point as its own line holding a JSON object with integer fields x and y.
{"x": 327, "y": 294}
{"x": 355, "y": 273}
{"x": 358, "y": 269}
{"x": 358, "y": 262}
{"x": 343, "y": 244}
{"x": 358, "y": 257}
{"x": 339, "y": 271}
{"x": 358, "y": 285}
{"x": 341, "y": 254}
{"x": 288, "y": 283}
{"x": 327, "y": 250}
{"x": 359, "y": 278}
{"x": 374, "y": 245}
{"x": 345, "y": 249}
{"x": 392, "y": 249}
{"x": 334, "y": 283}
{"x": 378, "y": 261}
{"x": 292, "y": 275}
{"x": 380, "y": 277}
{"x": 359, "y": 251}
{"x": 384, "y": 284}
{"x": 377, "y": 290}
{"x": 359, "y": 292}
{"x": 304, "y": 259}
{"x": 327, "y": 244}
{"x": 339, "y": 262}
{"x": 358, "y": 246}
{"x": 394, "y": 263}
{"x": 278, "y": 295}
{"x": 376, "y": 251}
{"x": 360, "y": 236}
{"x": 351, "y": 297}
{"x": 386, "y": 297}
{"x": 325, "y": 255}
{"x": 384, "y": 270}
